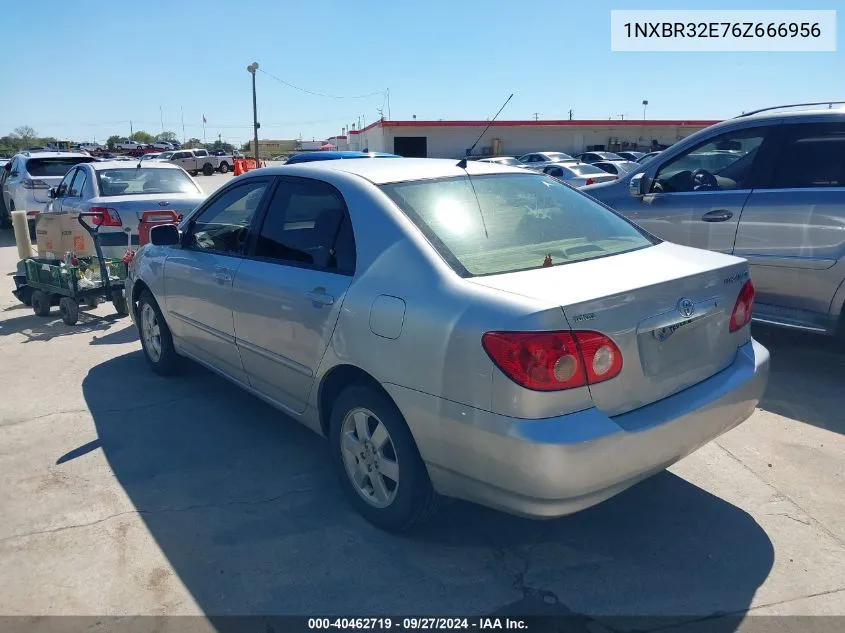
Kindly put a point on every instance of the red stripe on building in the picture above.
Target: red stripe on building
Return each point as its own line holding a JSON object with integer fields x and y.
{"x": 531, "y": 123}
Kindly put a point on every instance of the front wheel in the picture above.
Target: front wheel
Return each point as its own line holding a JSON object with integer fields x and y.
{"x": 207, "y": 169}
{"x": 224, "y": 168}
{"x": 69, "y": 310}
{"x": 377, "y": 461}
{"x": 118, "y": 300}
{"x": 41, "y": 303}
{"x": 156, "y": 340}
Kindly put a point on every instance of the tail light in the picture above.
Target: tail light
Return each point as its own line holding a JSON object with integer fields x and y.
{"x": 106, "y": 217}
{"x": 741, "y": 315}
{"x": 590, "y": 181}
{"x": 553, "y": 361}
{"x": 32, "y": 183}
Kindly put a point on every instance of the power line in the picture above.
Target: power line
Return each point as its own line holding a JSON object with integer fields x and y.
{"x": 320, "y": 94}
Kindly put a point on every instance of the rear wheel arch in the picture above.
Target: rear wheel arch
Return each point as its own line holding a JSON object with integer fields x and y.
{"x": 334, "y": 382}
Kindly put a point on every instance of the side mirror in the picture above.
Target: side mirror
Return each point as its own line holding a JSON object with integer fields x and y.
{"x": 164, "y": 235}
{"x": 637, "y": 185}
{"x": 52, "y": 192}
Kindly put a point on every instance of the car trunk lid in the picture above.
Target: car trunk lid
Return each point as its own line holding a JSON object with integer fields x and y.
{"x": 666, "y": 307}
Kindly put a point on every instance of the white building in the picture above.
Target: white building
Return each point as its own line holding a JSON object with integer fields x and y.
{"x": 451, "y": 139}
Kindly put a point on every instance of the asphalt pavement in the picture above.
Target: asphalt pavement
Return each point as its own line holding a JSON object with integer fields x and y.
{"x": 127, "y": 493}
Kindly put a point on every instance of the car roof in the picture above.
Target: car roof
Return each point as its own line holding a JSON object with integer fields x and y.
{"x": 305, "y": 157}
{"x": 122, "y": 164}
{"x": 389, "y": 171}
{"x": 40, "y": 154}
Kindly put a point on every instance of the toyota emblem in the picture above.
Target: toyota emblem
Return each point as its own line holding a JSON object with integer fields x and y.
{"x": 686, "y": 307}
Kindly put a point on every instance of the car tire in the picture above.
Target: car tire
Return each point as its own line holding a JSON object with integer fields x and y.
{"x": 118, "y": 300}
{"x": 69, "y": 310}
{"x": 405, "y": 496}
{"x": 193, "y": 172}
{"x": 156, "y": 339}
{"x": 224, "y": 168}
{"x": 41, "y": 303}
{"x": 208, "y": 169}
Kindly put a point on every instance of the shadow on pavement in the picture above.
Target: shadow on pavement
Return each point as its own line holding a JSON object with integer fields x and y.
{"x": 242, "y": 502}
{"x": 807, "y": 377}
{"x": 36, "y": 328}
{"x": 117, "y": 336}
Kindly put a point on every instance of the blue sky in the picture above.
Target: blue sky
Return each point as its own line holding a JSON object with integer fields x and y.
{"x": 85, "y": 68}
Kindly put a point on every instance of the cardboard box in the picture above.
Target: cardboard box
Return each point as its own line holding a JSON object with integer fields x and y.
{"x": 58, "y": 233}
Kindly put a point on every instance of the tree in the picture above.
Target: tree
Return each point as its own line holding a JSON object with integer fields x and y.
{"x": 25, "y": 133}
{"x": 193, "y": 143}
{"x": 246, "y": 147}
{"x": 113, "y": 140}
{"x": 166, "y": 136}
{"x": 143, "y": 137}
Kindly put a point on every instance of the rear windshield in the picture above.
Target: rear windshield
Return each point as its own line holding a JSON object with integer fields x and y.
{"x": 144, "y": 180}
{"x": 586, "y": 170}
{"x": 509, "y": 222}
{"x": 53, "y": 167}
{"x": 559, "y": 156}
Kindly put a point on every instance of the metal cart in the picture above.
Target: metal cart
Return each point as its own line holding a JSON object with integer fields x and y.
{"x": 49, "y": 281}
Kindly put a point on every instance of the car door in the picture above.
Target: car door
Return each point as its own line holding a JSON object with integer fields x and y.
{"x": 288, "y": 293}
{"x": 72, "y": 198}
{"x": 11, "y": 181}
{"x": 792, "y": 226}
{"x": 696, "y": 198}
{"x": 198, "y": 277}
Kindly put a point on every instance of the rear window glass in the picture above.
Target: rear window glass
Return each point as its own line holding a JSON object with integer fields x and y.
{"x": 509, "y": 222}
{"x": 559, "y": 156}
{"x": 141, "y": 180}
{"x": 609, "y": 156}
{"x": 53, "y": 167}
{"x": 586, "y": 170}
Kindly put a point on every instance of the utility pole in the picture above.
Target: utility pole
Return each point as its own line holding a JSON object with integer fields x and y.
{"x": 184, "y": 138}
{"x": 570, "y": 114}
{"x": 536, "y": 116}
{"x": 252, "y": 68}
{"x": 161, "y": 117}
{"x": 388, "y": 104}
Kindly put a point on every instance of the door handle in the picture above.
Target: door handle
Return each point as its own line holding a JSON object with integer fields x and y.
{"x": 223, "y": 274}
{"x": 720, "y": 215}
{"x": 318, "y": 296}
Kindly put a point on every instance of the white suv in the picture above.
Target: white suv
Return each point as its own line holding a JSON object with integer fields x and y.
{"x": 26, "y": 180}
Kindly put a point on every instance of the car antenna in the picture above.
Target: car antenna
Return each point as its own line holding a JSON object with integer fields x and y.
{"x": 463, "y": 162}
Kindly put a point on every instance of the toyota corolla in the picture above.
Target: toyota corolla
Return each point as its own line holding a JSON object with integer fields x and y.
{"x": 457, "y": 329}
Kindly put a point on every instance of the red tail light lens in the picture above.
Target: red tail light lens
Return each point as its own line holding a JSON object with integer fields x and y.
{"x": 106, "y": 217}
{"x": 590, "y": 181}
{"x": 741, "y": 315}
{"x": 553, "y": 361}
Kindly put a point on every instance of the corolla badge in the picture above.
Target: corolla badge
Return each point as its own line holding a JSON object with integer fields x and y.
{"x": 686, "y": 307}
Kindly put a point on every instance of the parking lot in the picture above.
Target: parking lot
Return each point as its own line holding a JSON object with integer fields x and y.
{"x": 127, "y": 493}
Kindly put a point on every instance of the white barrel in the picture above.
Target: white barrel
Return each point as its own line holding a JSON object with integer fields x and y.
{"x": 22, "y": 240}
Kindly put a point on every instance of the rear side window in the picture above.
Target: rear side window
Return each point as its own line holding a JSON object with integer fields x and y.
{"x": 813, "y": 155}
{"x": 53, "y": 167}
{"x": 78, "y": 184}
{"x": 509, "y": 222}
{"x": 307, "y": 223}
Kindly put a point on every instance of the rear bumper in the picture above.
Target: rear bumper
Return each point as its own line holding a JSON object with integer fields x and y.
{"x": 556, "y": 466}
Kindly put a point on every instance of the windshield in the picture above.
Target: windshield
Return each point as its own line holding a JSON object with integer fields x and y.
{"x": 509, "y": 222}
{"x": 609, "y": 156}
{"x": 165, "y": 155}
{"x": 626, "y": 165}
{"x": 144, "y": 180}
{"x": 53, "y": 167}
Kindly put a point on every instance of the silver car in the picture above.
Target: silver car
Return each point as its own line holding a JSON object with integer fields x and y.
{"x": 538, "y": 160}
{"x": 578, "y": 174}
{"x": 122, "y": 192}
{"x": 455, "y": 329}
{"x": 767, "y": 186}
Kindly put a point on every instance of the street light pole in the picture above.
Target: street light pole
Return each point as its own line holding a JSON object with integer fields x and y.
{"x": 251, "y": 69}
{"x": 645, "y": 105}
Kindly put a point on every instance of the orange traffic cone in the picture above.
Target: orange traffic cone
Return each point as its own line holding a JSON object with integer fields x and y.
{"x": 239, "y": 166}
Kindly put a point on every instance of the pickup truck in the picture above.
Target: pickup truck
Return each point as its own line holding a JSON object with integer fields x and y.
{"x": 128, "y": 144}
{"x": 194, "y": 161}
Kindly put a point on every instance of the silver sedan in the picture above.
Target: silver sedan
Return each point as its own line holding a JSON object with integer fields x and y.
{"x": 121, "y": 192}
{"x": 578, "y": 174}
{"x": 455, "y": 328}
